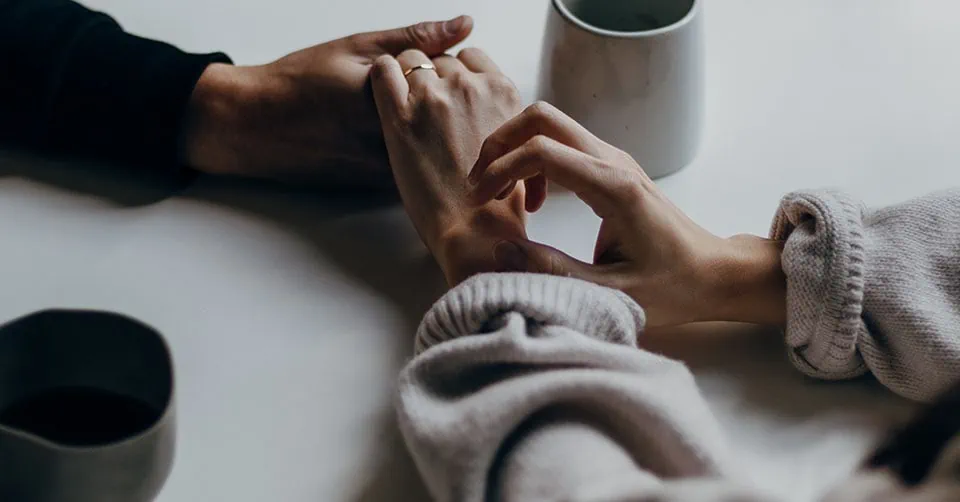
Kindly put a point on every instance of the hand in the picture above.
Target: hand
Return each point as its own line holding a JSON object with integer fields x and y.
{"x": 434, "y": 124}
{"x": 647, "y": 247}
{"x": 306, "y": 117}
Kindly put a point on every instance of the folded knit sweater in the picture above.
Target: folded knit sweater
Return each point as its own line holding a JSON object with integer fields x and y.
{"x": 529, "y": 387}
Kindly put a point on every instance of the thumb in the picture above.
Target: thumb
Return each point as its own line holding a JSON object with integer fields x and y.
{"x": 533, "y": 257}
{"x": 433, "y": 38}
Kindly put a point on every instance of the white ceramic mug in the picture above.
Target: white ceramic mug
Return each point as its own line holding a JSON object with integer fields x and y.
{"x": 632, "y": 72}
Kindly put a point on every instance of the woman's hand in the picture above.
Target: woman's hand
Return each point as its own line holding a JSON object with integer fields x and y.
{"x": 647, "y": 247}
{"x": 308, "y": 116}
{"x": 434, "y": 123}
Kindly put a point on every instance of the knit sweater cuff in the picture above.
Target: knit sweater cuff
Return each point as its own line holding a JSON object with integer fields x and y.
{"x": 823, "y": 259}
{"x": 590, "y": 309}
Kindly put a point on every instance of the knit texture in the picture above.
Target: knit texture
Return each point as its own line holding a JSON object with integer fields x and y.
{"x": 875, "y": 291}
{"x": 601, "y": 313}
{"x": 531, "y": 387}
{"x": 517, "y": 394}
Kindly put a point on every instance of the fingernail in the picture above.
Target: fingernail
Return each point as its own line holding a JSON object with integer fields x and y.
{"x": 453, "y": 26}
{"x": 509, "y": 256}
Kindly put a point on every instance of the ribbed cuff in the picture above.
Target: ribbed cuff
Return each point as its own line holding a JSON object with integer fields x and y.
{"x": 823, "y": 259}
{"x": 599, "y": 312}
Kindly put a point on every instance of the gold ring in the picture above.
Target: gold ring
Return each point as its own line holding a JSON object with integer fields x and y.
{"x": 424, "y": 66}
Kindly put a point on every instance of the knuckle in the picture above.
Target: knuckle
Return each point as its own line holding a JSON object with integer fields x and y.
{"x": 460, "y": 79}
{"x": 381, "y": 67}
{"x": 420, "y": 33}
{"x": 437, "y": 98}
{"x": 538, "y": 146}
{"x": 411, "y": 55}
{"x": 628, "y": 188}
{"x": 470, "y": 52}
{"x": 502, "y": 86}
{"x": 541, "y": 110}
{"x": 624, "y": 158}
{"x": 512, "y": 96}
{"x": 471, "y": 94}
{"x": 552, "y": 265}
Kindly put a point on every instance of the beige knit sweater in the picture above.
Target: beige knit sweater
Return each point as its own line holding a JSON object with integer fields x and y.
{"x": 528, "y": 387}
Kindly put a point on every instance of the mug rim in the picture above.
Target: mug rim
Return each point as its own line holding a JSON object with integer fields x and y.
{"x": 565, "y": 12}
{"x": 165, "y": 419}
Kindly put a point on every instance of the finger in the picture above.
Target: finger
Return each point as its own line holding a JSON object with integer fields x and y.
{"x": 478, "y": 61}
{"x": 536, "y": 193}
{"x": 390, "y": 89}
{"x": 411, "y": 59}
{"x": 448, "y": 65}
{"x": 538, "y": 119}
{"x": 432, "y": 38}
{"x": 506, "y": 191}
{"x": 604, "y": 188}
{"x": 536, "y": 258}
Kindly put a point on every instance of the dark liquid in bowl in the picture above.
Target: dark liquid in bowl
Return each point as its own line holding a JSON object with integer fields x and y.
{"x": 80, "y": 416}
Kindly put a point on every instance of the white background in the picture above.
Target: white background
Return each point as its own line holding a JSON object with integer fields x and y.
{"x": 289, "y": 314}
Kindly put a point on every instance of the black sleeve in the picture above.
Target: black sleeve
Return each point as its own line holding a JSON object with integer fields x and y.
{"x": 72, "y": 81}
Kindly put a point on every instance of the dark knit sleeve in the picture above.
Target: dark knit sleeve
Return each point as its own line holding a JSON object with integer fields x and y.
{"x": 73, "y": 82}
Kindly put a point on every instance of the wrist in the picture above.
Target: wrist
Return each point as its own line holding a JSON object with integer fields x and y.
{"x": 455, "y": 253}
{"x": 212, "y": 128}
{"x": 749, "y": 284}
{"x": 466, "y": 248}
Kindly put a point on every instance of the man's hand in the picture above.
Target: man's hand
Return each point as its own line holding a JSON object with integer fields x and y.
{"x": 309, "y": 116}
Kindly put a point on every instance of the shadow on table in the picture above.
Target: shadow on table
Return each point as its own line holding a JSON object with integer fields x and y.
{"x": 118, "y": 185}
{"x": 395, "y": 477}
{"x": 756, "y": 359}
{"x": 366, "y": 236}
{"x": 369, "y": 238}
{"x": 360, "y": 232}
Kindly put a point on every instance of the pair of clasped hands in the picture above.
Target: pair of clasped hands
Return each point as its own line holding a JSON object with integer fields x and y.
{"x": 470, "y": 162}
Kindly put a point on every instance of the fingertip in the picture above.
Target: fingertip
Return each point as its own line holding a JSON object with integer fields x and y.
{"x": 536, "y": 193}
{"x": 473, "y": 177}
{"x": 534, "y": 202}
{"x": 450, "y": 33}
{"x": 460, "y": 26}
{"x": 481, "y": 165}
{"x": 386, "y": 78}
{"x": 382, "y": 66}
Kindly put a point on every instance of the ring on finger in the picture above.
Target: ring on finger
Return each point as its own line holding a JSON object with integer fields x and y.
{"x": 424, "y": 66}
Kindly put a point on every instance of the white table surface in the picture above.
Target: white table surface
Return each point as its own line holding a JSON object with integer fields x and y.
{"x": 290, "y": 315}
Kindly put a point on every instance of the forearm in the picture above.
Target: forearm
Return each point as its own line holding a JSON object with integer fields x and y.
{"x": 749, "y": 285}
{"x": 74, "y": 82}
{"x": 211, "y": 130}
